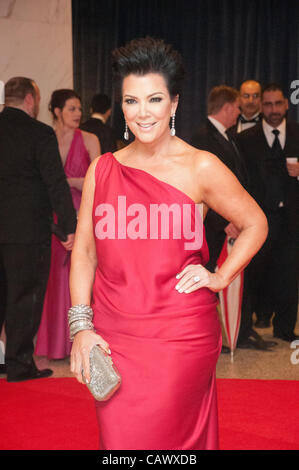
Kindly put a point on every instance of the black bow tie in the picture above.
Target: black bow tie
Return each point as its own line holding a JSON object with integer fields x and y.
{"x": 246, "y": 121}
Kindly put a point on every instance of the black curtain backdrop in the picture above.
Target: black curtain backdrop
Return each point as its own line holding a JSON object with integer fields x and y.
{"x": 221, "y": 41}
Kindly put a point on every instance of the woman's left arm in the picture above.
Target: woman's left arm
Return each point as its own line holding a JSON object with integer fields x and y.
{"x": 94, "y": 150}
{"x": 92, "y": 144}
{"x": 223, "y": 193}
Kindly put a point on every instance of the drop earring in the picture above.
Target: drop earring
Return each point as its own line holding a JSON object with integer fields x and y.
{"x": 126, "y": 133}
{"x": 172, "y": 130}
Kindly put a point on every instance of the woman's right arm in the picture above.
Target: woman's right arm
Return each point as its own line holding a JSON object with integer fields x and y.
{"x": 83, "y": 267}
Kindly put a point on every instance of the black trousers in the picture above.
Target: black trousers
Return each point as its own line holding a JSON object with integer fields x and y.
{"x": 24, "y": 272}
{"x": 274, "y": 277}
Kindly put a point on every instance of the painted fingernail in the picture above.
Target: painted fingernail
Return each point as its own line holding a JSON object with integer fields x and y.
{"x": 180, "y": 291}
{"x": 177, "y": 276}
{"x": 177, "y": 287}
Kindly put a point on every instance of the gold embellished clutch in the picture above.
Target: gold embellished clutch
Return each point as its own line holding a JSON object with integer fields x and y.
{"x": 104, "y": 377}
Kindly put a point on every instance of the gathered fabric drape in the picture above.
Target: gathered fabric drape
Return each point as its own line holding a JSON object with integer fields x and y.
{"x": 221, "y": 41}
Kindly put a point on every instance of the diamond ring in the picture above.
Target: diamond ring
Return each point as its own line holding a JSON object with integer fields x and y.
{"x": 196, "y": 278}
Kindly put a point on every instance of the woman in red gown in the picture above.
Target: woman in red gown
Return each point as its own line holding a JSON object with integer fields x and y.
{"x": 138, "y": 260}
{"x": 77, "y": 150}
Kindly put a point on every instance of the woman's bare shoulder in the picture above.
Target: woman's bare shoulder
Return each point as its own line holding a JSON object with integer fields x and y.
{"x": 205, "y": 161}
{"x": 92, "y": 143}
{"x": 88, "y": 136}
{"x": 92, "y": 168}
{"x": 200, "y": 158}
{"x": 94, "y": 163}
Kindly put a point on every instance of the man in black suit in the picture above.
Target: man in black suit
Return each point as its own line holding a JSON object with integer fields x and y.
{"x": 97, "y": 123}
{"x": 274, "y": 185}
{"x": 215, "y": 137}
{"x": 32, "y": 187}
{"x": 212, "y": 136}
{"x": 250, "y": 106}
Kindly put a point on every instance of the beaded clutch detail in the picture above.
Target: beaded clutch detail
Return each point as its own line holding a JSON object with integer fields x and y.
{"x": 104, "y": 377}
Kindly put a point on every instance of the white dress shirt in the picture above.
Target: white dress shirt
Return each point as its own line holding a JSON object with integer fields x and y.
{"x": 220, "y": 127}
{"x": 270, "y": 136}
{"x": 242, "y": 126}
{"x": 98, "y": 116}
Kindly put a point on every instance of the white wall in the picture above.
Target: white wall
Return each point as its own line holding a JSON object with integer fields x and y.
{"x": 36, "y": 42}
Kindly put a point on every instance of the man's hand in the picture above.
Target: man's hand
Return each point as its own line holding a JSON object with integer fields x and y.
{"x": 68, "y": 244}
{"x": 293, "y": 169}
{"x": 232, "y": 231}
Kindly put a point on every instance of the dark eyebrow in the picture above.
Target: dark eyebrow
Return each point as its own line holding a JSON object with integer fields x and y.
{"x": 149, "y": 96}
{"x": 156, "y": 93}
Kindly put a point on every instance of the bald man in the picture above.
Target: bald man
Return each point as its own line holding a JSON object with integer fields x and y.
{"x": 250, "y": 105}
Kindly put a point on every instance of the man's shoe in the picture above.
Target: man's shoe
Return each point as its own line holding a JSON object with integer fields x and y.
{"x": 253, "y": 344}
{"x": 257, "y": 337}
{"x": 270, "y": 344}
{"x": 255, "y": 341}
{"x": 286, "y": 336}
{"x": 2, "y": 369}
{"x": 262, "y": 324}
{"x": 36, "y": 374}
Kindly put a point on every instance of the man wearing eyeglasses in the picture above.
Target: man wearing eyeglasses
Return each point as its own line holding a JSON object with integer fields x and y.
{"x": 271, "y": 152}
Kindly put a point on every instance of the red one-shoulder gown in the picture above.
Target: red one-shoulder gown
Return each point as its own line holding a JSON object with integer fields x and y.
{"x": 165, "y": 344}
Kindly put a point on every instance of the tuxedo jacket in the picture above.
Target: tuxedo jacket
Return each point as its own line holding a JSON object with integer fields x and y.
{"x": 234, "y": 129}
{"x": 32, "y": 181}
{"x": 103, "y": 132}
{"x": 257, "y": 155}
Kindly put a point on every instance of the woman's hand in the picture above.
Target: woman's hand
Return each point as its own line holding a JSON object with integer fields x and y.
{"x": 71, "y": 182}
{"x": 83, "y": 343}
{"x": 195, "y": 276}
{"x": 76, "y": 183}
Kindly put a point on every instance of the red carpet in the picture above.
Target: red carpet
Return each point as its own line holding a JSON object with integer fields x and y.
{"x": 53, "y": 414}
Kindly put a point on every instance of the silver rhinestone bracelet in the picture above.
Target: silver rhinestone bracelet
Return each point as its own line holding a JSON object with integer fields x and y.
{"x": 80, "y": 318}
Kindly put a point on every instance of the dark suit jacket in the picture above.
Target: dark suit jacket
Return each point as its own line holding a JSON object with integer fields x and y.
{"x": 32, "y": 181}
{"x": 103, "y": 132}
{"x": 257, "y": 153}
{"x": 209, "y": 138}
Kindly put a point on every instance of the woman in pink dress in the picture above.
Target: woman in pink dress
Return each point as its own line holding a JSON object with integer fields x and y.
{"x": 138, "y": 260}
{"x": 77, "y": 149}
